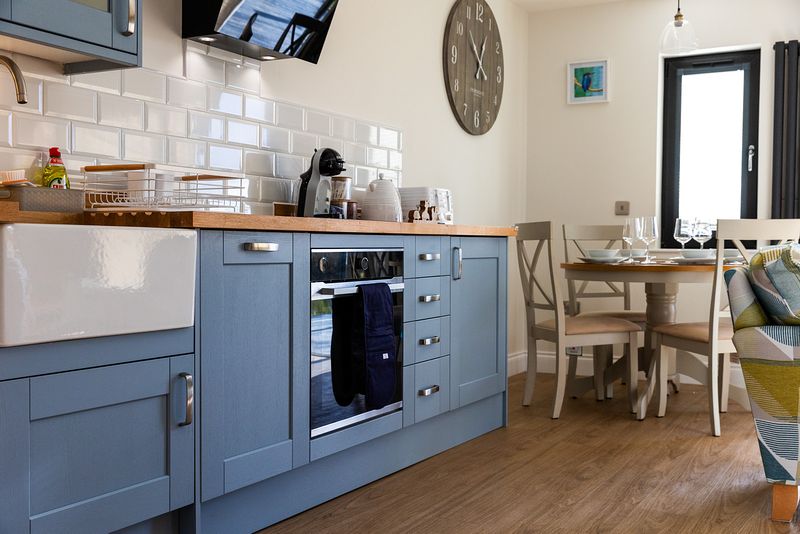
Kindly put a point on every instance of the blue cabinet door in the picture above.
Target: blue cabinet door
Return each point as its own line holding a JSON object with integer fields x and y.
{"x": 246, "y": 345}
{"x": 478, "y": 319}
{"x": 96, "y": 450}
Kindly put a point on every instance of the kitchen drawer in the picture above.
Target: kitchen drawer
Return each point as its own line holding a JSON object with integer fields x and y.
{"x": 427, "y": 390}
{"x": 427, "y": 298}
{"x": 244, "y": 248}
{"x": 432, "y": 256}
{"x": 426, "y": 340}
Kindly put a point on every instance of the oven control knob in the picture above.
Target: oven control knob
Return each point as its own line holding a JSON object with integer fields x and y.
{"x": 364, "y": 263}
{"x": 323, "y": 264}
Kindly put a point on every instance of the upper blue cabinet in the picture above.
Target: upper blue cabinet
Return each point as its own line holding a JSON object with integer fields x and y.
{"x": 85, "y": 35}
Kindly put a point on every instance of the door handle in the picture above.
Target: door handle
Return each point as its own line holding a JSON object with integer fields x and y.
{"x": 430, "y": 257}
{"x": 430, "y": 298}
{"x": 430, "y": 341}
{"x": 427, "y": 392}
{"x": 131, "y": 26}
{"x": 262, "y": 247}
{"x": 751, "y": 153}
{"x": 189, "y": 399}
{"x": 460, "y": 269}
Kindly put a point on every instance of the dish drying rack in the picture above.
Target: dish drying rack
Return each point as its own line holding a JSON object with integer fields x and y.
{"x": 150, "y": 187}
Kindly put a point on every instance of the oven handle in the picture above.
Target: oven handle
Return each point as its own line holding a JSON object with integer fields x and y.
{"x": 352, "y": 290}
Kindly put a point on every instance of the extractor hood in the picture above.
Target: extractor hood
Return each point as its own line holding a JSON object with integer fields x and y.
{"x": 261, "y": 29}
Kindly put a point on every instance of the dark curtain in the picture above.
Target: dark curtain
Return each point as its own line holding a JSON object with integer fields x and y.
{"x": 785, "y": 153}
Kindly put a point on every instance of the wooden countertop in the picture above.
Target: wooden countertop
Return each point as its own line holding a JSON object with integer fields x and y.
{"x": 10, "y": 213}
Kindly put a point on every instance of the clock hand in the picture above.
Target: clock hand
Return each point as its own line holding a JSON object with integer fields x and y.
{"x": 480, "y": 59}
{"x": 477, "y": 56}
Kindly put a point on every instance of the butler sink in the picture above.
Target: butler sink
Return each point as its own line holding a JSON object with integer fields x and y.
{"x": 60, "y": 282}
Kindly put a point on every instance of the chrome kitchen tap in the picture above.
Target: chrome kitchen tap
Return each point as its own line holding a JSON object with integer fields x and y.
{"x": 17, "y": 77}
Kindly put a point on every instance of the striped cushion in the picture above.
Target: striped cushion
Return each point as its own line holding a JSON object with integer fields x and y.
{"x": 775, "y": 278}
{"x": 746, "y": 312}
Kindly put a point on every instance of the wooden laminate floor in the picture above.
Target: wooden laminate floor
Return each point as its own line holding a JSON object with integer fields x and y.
{"x": 594, "y": 470}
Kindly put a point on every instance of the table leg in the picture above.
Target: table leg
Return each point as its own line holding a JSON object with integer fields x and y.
{"x": 662, "y": 308}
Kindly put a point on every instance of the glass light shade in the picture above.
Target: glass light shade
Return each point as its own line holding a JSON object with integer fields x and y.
{"x": 678, "y": 37}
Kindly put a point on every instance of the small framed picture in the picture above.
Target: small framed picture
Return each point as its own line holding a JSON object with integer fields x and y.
{"x": 587, "y": 82}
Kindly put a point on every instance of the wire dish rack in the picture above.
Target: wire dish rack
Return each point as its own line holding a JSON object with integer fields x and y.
{"x": 150, "y": 187}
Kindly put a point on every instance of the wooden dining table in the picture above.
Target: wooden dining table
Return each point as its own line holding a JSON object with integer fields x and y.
{"x": 661, "y": 283}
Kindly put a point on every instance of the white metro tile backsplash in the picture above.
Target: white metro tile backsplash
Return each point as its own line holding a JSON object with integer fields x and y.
{"x": 214, "y": 118}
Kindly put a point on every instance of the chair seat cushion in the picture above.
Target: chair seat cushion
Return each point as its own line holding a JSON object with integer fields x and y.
{"x": 628, "y": 315}
{"x": 591, "y": 325}
{"x": 695, "y": 331}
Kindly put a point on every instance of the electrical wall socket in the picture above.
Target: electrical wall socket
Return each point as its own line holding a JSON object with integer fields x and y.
{"x": 574, "y": 351}
{"x": 622, "y": 207}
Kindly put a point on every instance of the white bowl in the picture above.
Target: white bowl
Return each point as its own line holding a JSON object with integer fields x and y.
{"x": 602, "y": 253}
{"x": 698, "y": 254}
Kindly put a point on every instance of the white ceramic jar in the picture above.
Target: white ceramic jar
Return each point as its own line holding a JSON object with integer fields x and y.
{"x": 382, "y": 202}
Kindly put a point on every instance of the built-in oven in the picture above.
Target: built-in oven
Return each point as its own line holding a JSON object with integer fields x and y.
{"x": 337, "y": 274}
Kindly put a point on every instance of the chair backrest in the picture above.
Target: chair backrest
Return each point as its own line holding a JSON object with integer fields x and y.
{"x": 737, "y": 231}
{"x": 577, "y": 237}
{"x": 534, "y": 247}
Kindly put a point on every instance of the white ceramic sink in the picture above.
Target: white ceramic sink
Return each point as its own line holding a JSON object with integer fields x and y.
{"x": 60, "y": 282}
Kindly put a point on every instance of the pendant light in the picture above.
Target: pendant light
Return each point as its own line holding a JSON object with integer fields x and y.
{"x": 678, "y": 36}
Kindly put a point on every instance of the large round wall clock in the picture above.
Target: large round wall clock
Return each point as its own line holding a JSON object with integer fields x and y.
{"x": 473, "y": 65}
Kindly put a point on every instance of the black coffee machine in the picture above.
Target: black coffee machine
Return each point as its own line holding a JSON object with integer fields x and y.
{"x": 315, "y": 185}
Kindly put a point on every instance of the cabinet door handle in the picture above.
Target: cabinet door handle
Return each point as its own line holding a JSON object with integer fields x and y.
{"x": 262, "y": 247}
{"x": 427, "y": 392}
{"x": 430, "y": 257}
{"x": 131, "y": 19}
{"x": 430, "y": 341}
{"x": 430, "y": 298}
{"x": 460, "y": 269}
{"x": 189, "y": 399}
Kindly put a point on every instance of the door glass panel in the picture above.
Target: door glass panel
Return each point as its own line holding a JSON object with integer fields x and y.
{"x": 102, "y": 5}
{"x": 710, "y": 168}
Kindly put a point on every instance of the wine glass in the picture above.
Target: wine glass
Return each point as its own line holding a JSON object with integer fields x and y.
{"x": 647, "y": 233}
{"x": 701, "y": 232}
{"x": 684, "y": 229}
{"x": 629, "y": 236}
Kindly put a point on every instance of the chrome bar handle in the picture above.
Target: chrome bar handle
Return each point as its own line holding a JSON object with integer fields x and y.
{"x": 430, "y": 341}
{"x": 427, "y": 392}
{"x": 352, "y": 290}
{"x": 262, "y": 247}
{"x": 131, "y": 19}
{"x": 430, "y": 257}
{"x": 430, "y": 298}
{"x": 189, "y": 399}
{"x": 460, "y": 270}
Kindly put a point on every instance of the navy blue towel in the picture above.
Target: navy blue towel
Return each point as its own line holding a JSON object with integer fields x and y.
{"x": 342, "y": 361}
{"x": 374, "y": 341}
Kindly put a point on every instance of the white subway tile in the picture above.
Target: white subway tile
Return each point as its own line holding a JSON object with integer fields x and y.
{"x": 8, "y": 95}
{"x": 258, "y": 109}
{"x": 259, "y": 163}
{"x": 186, "y": 153}
{"x": 355, "y": 154}
{"x": 206, "y": 126}
{"x": 223, "y": 101}
{"x": 144, "y": 84}
{"x": 204, "y": 68}
{"x": 303, "y": 144}
{"x": 144, "y": 147}
{"x": 288, "y": 166}
{"x": 364, "y": 175}
{"x": 242, "y": 133}
{"x": 224, "y": 55}
{"x": 5, "y": 128}
{"x": 389, "y": 138}
{"x": 377, "y": 157}
{"x": 224, "y": 157}
{"x": 186, "y": 94}
{"x": 395, "y": 160}
{"x": 109, "y": 81}
{"x": 120, "y": 111}
{"x": 73, "y": 164}
{"x": 95, "y": 140}
{"x": 275, "y": 138}
{"x": 388, "y": 175}
{"x": 343, "y": 128}
{"x": 366, "y": 134}
{"x": 69, "y": 102}
{"x": 319, "y": 123}
{"x": 194, "y": 46}
{"x": 38, "y": 132}
{"x": 243, "y": 78}
{"x": 289, "y": 116}
{"x": 166, "y": 120}
{"x": 330, "y": 142}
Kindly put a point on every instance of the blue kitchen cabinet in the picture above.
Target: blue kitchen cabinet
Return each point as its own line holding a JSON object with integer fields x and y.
{"x": 478, "y": 303}
{"x": 107, "y": 31}
{"x": 254, "y": 292}
{"x": 98, "y": 449}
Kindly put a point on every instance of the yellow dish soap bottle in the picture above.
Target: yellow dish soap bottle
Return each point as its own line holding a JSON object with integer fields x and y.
{"x": 54, "y": 175}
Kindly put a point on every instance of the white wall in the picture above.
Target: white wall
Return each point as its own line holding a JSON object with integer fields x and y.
{"x": 584, "y": 157}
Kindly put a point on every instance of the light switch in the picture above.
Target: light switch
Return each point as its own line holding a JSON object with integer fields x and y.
{"x": 622, "y": 207}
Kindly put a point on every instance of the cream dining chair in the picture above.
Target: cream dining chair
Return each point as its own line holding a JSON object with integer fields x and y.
{"x": 534, "y": 244}
{"x": 713, "y": 339}
{"x": 578, "y": 238}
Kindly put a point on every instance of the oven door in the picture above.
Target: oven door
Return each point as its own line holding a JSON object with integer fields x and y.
{"x": 326, "y": 414}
